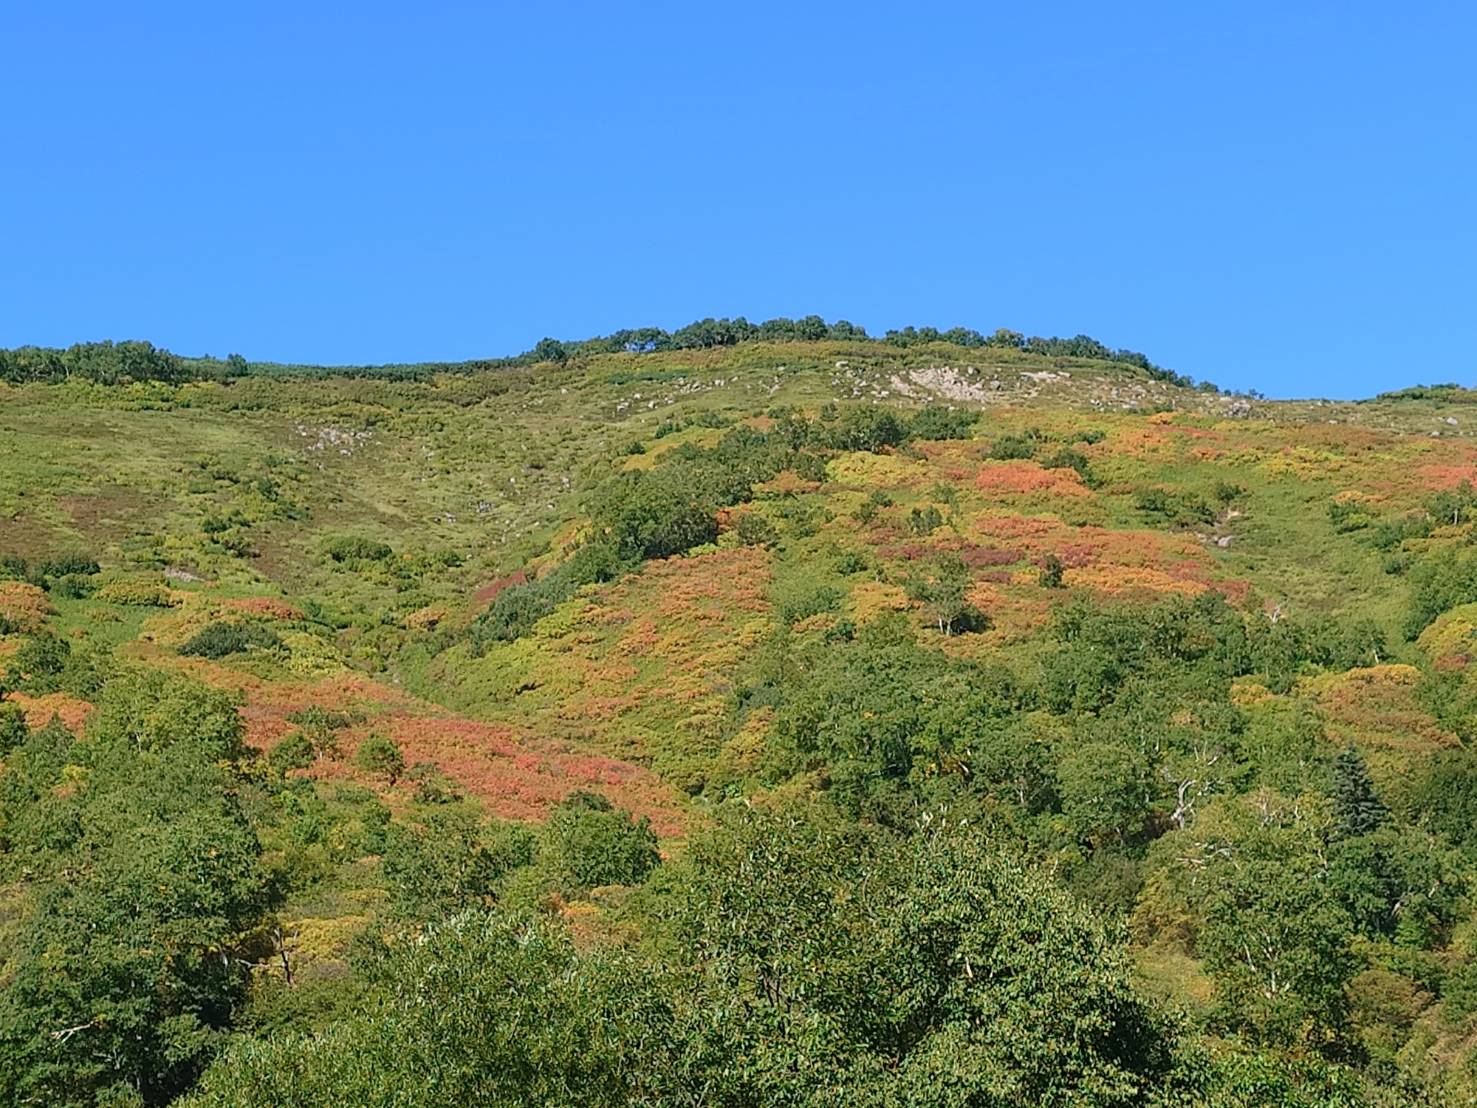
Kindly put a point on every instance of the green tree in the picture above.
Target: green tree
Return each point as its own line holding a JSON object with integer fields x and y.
{"x": 135, "y": 945}
{"x": 944, "y": 593}
{"x": 1273, "y": 930}
{"x": 153, "y": 711}
{"x": 1052, "y": 572}
{"x": 876, "y": 972}
{"x": 483, "y": 1009}
{"x": 450, "y": 861}
{"x": 588, "y": 842}
{"x": 1357, "y": 808}
{"x": 381, "y": 755}
{"x": 293, "y": 752}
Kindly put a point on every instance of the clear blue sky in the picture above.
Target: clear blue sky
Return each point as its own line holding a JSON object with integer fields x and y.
{"x": 1270, "y": 195}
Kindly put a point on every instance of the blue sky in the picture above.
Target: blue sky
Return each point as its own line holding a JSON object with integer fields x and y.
{"x": 1270, "y": 195}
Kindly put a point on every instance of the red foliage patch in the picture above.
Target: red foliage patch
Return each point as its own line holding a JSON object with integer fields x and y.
{"x": 488, "y": 593}
{"x": 517, "y": 776}
{"x": 977, "y": 556}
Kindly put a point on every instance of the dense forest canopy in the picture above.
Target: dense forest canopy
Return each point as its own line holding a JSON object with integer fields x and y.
{"x": 752, "y": 721}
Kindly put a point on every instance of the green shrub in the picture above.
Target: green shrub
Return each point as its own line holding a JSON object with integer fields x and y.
{"x": 940, "y": 422}
{"x": 1067, "y": 458}
{"x": 1009, "y": 448}
{"x": 867, "y": 429}
{"x": 753, "y": 529}
{"x": 74, "y": 586}
{"x": 67, "y": 565}
{"x": 357, "y": 548}
{"x": 1052, "y": 572}
{"x": 221, "y": 639}
{"x": 1180, "y": 509}
{"x": 136, "y": 593}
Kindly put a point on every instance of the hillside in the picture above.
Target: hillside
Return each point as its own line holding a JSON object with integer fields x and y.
{"x": 805, "y": 719}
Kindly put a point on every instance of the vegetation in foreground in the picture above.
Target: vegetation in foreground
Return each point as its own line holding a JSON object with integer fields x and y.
{"x": 741, "y": 715}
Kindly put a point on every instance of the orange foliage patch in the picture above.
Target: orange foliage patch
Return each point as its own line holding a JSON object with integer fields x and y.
{"x": 1445, "y": 477}
{"x": 1125, "y": 581}
{"x": 786, "y": 483}
{"x": 1017, "y": 477}
{"x": 268, "y": 607}
{"x": 24, "y": 605}
{"x": 40, "y": 710}
{"x": 423, "y": 619}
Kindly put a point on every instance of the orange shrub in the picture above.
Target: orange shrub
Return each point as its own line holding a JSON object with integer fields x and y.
{"x": 24, "y": 605}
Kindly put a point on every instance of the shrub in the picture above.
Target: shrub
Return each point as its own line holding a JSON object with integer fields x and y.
{"x": 1348, "y": 515}
{"x": 1181, "y": 509}
{"x": 40, "y": 661}
{"x": 925, "y": 521}
{"x": 518, "y": 607}
{"x": 1051, "y": 573}
{"x": 867, "y": 429}
{"x": 1067, "y": 458}
{"x": 13, "y": 729}
{"x": 939, "y": 422}
{"x": 221, "y": 639}
{"x": 431, "y": 785}
{"x": 14, "y": 568}
{"x": 142, "y": 594}
{"x": 753, "y": 529}
{"x": 357, "y": 548}
{"x": 66, "y": 565}
{"x": 656, "y": 515}
{"x": 450, "y": 862}
{"x": 1009, "y": 448}
{"x": 74, "y": 586}
{"x": 867, "y": 510}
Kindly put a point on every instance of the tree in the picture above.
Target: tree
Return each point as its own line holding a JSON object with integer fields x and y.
{"x": 381, "y": 755}
{"x": 1106, "y": 788}
{"x": 153, "y": 711}
{"x": 934, "y": 970}
{"x": 293, "y": 752}
{"x": 1052, "y": 572}
{"x": 135, "y": 948}
{"x": 450, "y": 862}
{"x": 39, "y": 662}
{"x": 945, "y": 595}
{"x": 483, "y": 1008}
{"x": 588, "y": 842}
{"x": 1272, "y": 927}
{"x": 1357, "y": 808}
{"x": 550, "y": 350}
{"x": 13, "y": 729}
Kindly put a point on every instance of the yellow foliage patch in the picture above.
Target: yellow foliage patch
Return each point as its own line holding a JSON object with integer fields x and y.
{"x": 871, "y": 598}
{"x": 1376, "y": 710}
